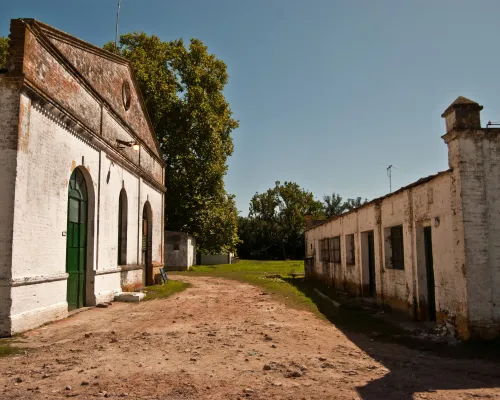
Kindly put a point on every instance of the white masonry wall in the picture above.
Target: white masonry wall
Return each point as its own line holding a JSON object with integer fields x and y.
{"x": 425, "y": 204}
{"x": 475, "y": 156}
{"x": 47, "y": 155}
{"x": 9, "y": 118}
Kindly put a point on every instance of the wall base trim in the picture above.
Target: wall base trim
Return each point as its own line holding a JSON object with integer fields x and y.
{"x": 34, "y": 318}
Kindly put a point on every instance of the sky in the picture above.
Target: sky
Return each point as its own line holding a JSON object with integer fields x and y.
{"x": 328, "y": 93}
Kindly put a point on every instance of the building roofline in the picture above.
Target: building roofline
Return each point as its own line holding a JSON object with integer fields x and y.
{"x": 64, "y": 36}
{"x": 421, "y": 181}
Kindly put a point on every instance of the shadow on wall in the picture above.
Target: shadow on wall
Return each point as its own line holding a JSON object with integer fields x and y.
{"x": 414, "y": 365}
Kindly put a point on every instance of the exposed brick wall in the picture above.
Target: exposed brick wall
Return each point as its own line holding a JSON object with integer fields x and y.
{"x": 107, "y": 78}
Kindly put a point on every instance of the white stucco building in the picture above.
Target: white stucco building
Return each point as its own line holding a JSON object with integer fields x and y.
{"x": 81, "y": 179}
{"x": 180, "y": 251}
{"x": 431, "y": 249}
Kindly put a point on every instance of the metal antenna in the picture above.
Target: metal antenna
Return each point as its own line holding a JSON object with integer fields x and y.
{"x": 389, "y": 174}
{"x": 117, "y": 17}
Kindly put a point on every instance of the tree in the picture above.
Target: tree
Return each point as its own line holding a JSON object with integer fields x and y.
{"x": 351, "y": 204}
{"x": 277, "y": 217}
{"x": 183, "y": 91}
{"x": 4, "y": 51}
{"x": 333, "y": 205}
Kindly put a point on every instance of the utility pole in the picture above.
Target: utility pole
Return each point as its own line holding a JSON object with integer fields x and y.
{"x": 116, "y": 34}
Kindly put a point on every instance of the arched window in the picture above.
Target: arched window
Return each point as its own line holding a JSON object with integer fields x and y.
{"x": 147, "y": 242}
{"x": 122, "y": 228}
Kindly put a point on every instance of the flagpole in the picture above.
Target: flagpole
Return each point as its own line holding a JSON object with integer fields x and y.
{"x": 116, "y": 35}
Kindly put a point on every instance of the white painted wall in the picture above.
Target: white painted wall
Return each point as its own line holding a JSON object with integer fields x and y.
{"x": 9, "y": 120}
{"x": 214, "y": 259}
{"x": 427, "y": 204}
{"x": 46, "y": 159}
{"x": 180, "y": 251}
{"x": 50, "y": 124}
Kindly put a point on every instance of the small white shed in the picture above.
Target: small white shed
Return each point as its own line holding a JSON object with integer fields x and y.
{"x": 180, "y": 251}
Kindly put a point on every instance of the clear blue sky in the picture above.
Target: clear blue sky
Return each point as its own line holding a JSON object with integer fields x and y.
{"x": 328, "y": 93}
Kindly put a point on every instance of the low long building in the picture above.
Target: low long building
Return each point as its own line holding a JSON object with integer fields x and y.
{"x": 432, "y": 248}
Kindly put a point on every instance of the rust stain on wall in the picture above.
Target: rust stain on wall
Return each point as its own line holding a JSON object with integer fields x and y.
{"x": 24, "y": 134}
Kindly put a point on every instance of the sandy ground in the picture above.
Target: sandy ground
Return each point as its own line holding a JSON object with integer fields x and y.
{"x": 226, "y": 340}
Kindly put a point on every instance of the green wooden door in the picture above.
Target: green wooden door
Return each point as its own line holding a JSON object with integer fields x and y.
{"x": 76, "y": 240}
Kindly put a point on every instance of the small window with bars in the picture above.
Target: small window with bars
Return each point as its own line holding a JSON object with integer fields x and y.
{"x": 350, "y": 250}
{"x": 323, "y": 248}
{"x": 336, "y": 250}
{"x": 397, "y": 258}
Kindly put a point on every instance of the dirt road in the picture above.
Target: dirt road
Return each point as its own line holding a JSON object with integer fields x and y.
{"x": 226, "y": 340}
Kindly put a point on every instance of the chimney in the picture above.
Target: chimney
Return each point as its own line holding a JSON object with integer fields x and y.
{"x": 462, "y": 114}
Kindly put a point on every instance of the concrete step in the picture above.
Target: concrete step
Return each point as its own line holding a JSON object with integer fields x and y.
{"x": 130, "y": 297}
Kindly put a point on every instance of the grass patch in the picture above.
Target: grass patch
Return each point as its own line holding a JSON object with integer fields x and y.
{"x": 6, "y": 348}
{"x": 163, "y": 291}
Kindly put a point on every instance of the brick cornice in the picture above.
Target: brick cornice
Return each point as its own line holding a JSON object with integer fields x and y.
{"x": 41, "y": 32}
{"x": 75, "y": 126}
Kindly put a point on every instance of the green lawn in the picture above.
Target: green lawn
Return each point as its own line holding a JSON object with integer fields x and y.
{"x": 163, "y": 291}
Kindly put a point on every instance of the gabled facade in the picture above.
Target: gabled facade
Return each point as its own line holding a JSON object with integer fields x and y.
{"x": 82, "y": 178}
{"x": 431, "y": 249}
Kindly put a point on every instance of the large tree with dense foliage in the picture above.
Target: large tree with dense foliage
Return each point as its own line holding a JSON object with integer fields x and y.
{"x": 275, "y": 225}
{"x": 4, "y": 51}
{"x": 183, "y": 91}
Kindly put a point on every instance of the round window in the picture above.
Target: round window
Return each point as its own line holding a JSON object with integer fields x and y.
{"x": 126, "y": 95}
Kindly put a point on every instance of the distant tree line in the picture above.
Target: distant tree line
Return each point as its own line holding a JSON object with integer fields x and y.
{"x": 274, "y": 228}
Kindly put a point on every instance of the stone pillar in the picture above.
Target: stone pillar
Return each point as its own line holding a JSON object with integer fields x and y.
{"x": 473, "y": 153}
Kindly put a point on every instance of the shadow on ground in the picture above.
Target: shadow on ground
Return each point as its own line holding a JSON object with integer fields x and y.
{"x": 416, "y": 365}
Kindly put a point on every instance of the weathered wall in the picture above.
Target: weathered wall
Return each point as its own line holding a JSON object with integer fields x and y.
{"x": 9, "y": 122}
{"x": 51, "y": 123}
{"x": 434, "y": 206}
{"x": 91, "y": 84}
{"x": 420, "y": 205}
{"x": 47, "y": 155}
{"x": 106, "y": 75}
{"x": 180, "y": 251}
{"x": 475, "y": 155}
{"x": 213, "y": 259}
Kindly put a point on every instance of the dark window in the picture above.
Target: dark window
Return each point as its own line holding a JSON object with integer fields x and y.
{"x": 122, "y": 228}
{"x": 323, "y": 246}
{"x": 350, "y": 250}
{"x": 176, "y": 246}
{"x": 336, "y": 250}
{"x": 398, "y": 259}
{"x": 330, "y": 250}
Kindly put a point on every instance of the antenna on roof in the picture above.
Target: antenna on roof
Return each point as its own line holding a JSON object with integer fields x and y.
{"x": 389, "y": 174}
{"x": 116, "y": 34}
